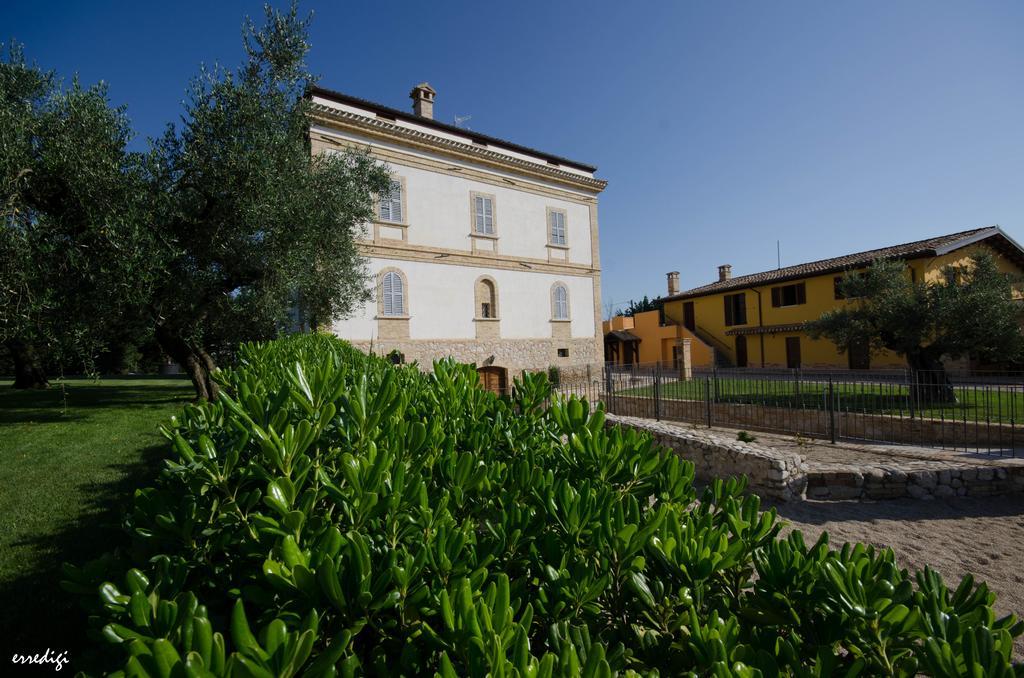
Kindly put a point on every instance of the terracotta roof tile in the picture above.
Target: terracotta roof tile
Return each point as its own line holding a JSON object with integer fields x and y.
{"x": 919, "y": 248}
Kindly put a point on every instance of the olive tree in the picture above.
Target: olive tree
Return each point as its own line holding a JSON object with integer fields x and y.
{"x": 73, "y": 259}
{"x": 969, "y": 310}
{"x": 250, "y": 222}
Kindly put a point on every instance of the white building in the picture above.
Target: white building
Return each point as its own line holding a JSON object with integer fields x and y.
{"x": 485, "y": 250}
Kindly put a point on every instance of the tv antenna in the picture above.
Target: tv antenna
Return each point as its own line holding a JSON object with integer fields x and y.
{"x": 461, "y": 120}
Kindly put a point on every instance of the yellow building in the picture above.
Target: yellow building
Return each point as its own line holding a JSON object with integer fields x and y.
{"x": 647, "y": 338}
{"x": 757, "y": 320}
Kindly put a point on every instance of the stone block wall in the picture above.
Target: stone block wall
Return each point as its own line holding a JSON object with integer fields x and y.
{"x": 771, "y": 473}
{"x": 789, "y": 477}
{"x": 515, "y": 355}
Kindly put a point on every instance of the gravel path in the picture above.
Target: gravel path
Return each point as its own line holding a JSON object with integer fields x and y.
{"x": 983, "y": 536}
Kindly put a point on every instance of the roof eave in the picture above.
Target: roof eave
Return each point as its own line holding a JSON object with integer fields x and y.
{"x": 340, "y": 97}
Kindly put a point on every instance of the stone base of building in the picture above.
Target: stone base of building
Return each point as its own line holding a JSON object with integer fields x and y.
{"x": 515, "y": 355}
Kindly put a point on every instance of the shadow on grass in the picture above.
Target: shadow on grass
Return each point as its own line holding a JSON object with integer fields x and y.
{"x": 56, "y": 404}
{"x": 35, "y": 612}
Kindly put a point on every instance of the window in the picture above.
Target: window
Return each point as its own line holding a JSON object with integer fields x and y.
{"x": 736, "y": 309}
{"x": 563, "y": 353}
{"x": 556, "y": 227}
{"x": 486, "y": 295}
{"x": 559, "y": 302}
{"x": 391, "y": 204}
{"x": 789, "y": 295}
{"x": 483, "y": 215}
{"x": 393, "y": 294}
{"x": 837, "y": 283}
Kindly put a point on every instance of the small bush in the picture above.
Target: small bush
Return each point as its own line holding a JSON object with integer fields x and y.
{"x": 745, "y": 437}
{"x": 334, "y": 514}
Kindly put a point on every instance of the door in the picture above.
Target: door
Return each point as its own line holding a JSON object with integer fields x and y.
{"x": 493, "y": 378}
{"x": 689, "y": 321}
{"x": 741, "y": 351}
{"x": 859, "y": 356}
{"x": 793, "y": 353}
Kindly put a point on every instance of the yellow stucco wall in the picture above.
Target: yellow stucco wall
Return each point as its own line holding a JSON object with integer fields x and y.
{"x": 657, "y": 341}
{"x": 709, "y": 315}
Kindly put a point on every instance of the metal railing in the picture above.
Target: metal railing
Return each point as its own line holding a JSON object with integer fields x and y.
{"x": 970, "y": 411}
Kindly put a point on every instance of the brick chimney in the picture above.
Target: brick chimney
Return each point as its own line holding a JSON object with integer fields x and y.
{"x": 422, "y": 96}
{"x": 673, "y": 282}
{"x": 724, "y": 272}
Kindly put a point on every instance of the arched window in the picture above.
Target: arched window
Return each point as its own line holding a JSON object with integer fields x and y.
{"x": 392, "y": 294}
{"x": 486, "y": 298}
{"x": 559, "y": 302}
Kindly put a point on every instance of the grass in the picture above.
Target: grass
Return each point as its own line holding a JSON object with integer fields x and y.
{"x": 983, "y": 404}
{"x": 72, "y": 456}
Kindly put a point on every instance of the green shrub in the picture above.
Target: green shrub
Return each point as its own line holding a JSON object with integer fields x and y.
{"x": 334, "y": 514}
{"x": 745, "y": 437}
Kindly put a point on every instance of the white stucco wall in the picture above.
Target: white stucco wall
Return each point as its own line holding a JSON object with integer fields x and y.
{"x": 441, "y": 302}
{"x": 439, "y": 215}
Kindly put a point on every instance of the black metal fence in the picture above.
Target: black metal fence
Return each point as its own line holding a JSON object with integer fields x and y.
{"x": 975, "y": 412}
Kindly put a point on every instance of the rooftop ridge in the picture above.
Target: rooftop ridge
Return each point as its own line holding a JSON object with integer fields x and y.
{"x": 343, "y": 98}
{"x": 908, "y": 249}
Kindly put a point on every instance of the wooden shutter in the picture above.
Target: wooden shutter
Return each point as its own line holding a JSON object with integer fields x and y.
{"x": 393, "y": 293}
{"x": 729, "y": 320}
{"x": 386, "y": 293}
{"x": 398, "y": 295}
{"x": 801, "y": 293}
{"x": 396, "y": 201}
{"x": 741, "y": 308}
{"x": 480, "y": 221}
{"x": 557, "y": 228}
{"x": 488, "y": 216}
{"x": 561, "y": 303}
{"x": 776, "y": 297}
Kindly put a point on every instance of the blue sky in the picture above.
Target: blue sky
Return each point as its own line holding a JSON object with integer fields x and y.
{"x": 720, "y": 126}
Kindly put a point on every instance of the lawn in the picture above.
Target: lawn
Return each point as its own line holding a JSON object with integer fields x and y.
{"x": 987, "y": 403}
{"x": 72, "y": 457}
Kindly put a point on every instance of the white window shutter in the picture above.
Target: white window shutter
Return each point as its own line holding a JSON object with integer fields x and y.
{"x": 398, "y": 294}
{"x": 480, "y": 227}
{"x": 387, "y": 292}
{"x": 396, "y": 201}
{"x": 561, "y": 305}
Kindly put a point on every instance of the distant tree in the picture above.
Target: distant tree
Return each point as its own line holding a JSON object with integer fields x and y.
{"x": 970, "y": 310}
{"x": 71, "y": 260}
{"x": 250, "y": 223}
{"x": 641, "y": 306}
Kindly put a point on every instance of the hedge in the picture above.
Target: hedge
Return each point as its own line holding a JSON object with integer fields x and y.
{"x": 333, "y": 513}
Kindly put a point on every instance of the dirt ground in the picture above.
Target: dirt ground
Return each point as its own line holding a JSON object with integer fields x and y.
{"x": 983, "y": 536}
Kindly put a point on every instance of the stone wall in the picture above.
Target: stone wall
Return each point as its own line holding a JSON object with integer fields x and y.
{"x": 788, "y": 476}
{"x": 516, "y": 355}
{"x": 771, "y": 473}
{"x": 917, "y": 480}
{"x": 815, "y": 423}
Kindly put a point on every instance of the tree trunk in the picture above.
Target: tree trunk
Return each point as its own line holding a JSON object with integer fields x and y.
{"x": 28, "y": 370}
{"x": 930, "y": 382}
{"x": 196, "y": 362}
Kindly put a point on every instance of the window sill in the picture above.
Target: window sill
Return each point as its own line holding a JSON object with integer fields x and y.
{"x": 391, "y": 317}
{"x": 486, "y": 320}
{"x": 489, "y": 236}
{"x": 561, "y": 320}
{"x": 393, "y": 224}
{"x": 557, "y": 247}
{"x": 789, "y": 305}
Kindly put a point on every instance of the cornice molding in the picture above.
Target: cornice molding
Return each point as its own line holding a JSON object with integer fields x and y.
{"x": 383, "y": 128}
